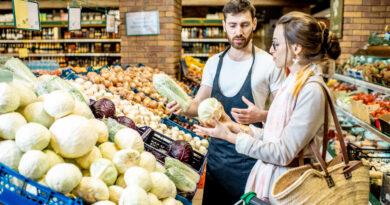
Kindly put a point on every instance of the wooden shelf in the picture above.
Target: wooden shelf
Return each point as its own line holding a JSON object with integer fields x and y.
{"x": 61, "y": 4}
{"x": 63, "y": 41}
{"x": 377, "y": 51}
{"x": 205, "y": 40}
{"x": 46, "y": 24}
{"x": 68, "y": 55}
{"x": 196, "y": 54}
{"x": 254, "y": 2}
{"x": 361, "y": 83}
{"x": 201, "y": 22}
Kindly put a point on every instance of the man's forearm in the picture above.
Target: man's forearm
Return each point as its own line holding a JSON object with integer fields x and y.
{"x": 192, "y": 110}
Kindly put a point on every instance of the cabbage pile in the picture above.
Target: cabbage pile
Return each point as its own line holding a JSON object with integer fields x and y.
{"x": 50, "y": 134}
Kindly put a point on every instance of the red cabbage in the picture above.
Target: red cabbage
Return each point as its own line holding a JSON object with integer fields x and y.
{"x": 103, "y": 108}
{"x": 127, "y": 122}
{"x": 181, "y": 150}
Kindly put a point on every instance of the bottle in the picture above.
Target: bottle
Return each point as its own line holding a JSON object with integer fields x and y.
{"x": 117, "y": 48}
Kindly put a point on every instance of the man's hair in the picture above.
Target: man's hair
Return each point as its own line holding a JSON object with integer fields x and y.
{"x": 238, "y": 6}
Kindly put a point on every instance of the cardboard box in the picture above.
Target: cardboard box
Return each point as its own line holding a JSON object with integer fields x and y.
{"x": 384, "y": 121}
{"x": 362, "y": 111}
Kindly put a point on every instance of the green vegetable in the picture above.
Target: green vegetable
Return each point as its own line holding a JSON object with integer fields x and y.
{"x": 168, "y": 88}
{"x": 113, "y": 127}
{"x": 48, "y": 83}
{"x": 20, "y": 71}
{"x": 182, "y": 181}
{"x": 6, "y": 75}
{"x": 186, "y": 170}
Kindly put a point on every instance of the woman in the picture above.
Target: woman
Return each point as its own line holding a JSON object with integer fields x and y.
{"x": 297, "y": 112}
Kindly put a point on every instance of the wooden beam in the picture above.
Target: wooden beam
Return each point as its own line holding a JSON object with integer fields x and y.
{"x": 255, "y": 2}
{"x": 59, "y": 4}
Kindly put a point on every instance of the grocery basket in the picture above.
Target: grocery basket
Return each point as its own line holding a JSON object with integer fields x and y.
{"x": 17, "y": 189}
{"x": 158, "y": 144}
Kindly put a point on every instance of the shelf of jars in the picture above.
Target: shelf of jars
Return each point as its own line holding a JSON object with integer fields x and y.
{"x": 196, "y": 54}
{"x": 48, "y": 24}
{"x": 67, "y": 54}
{"x": 205, "y": 40}
{"x": 201, "y": 22}
{"x": 62, "y": 41}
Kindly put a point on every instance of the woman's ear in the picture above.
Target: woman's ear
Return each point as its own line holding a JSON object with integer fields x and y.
{"x": 296, "y": 49}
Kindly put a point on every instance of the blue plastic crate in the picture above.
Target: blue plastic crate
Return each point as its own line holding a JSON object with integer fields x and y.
{"x": 17, "y": 189}
{"x": 183, "y": 200}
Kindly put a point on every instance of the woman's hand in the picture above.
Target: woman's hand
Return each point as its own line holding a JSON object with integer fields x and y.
{"x": 227, "y": 121}
{"x": 220, "y": 131}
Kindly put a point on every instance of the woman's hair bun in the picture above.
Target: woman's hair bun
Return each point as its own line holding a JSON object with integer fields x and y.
{"x": 330, "y": 44}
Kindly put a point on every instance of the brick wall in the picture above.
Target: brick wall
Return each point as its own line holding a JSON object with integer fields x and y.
{"x": 160, "y": 51}
{"x": 361, "y": 18}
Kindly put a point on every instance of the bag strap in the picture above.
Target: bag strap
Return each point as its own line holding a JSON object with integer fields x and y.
{"x": 325, "y": 138}
{"x": 349, "y": 167}
{"x": 336, "y": 123}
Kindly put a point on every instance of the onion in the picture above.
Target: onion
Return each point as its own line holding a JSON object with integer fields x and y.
{"x": 153, "y": 104}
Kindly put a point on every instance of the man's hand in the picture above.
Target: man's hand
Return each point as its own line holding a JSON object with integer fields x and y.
{"x": 174, "y": 107}
{"x": 250, "y": 115}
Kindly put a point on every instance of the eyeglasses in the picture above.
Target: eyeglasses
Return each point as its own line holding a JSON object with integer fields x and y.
{"x": 274, "y": 45}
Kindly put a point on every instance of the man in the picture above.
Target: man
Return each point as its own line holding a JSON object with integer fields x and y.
{"x": 241, "y": 78}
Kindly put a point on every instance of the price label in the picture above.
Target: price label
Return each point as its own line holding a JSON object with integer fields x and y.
{"x": 26, "y": 15}
{"x": 74, "y": 19}
{"x": 23, "y": 53}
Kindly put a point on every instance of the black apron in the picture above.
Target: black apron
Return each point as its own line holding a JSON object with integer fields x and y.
{"x": 227, "y": 170}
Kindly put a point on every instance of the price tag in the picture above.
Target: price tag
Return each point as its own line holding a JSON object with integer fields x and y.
{"x": 110, "y": 23}
{"x": 26, "y": 14}
{"x": 23, "y": 53}
{"x": 74, "y": 17}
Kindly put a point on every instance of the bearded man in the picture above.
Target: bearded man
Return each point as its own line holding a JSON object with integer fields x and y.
{"x": 242, "y": 78}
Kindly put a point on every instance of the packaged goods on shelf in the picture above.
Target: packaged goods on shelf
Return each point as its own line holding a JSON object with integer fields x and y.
{"x": 361, "y": 91}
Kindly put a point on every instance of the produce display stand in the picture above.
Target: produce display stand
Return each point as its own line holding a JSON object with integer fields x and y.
{"x": 17, "y": 189}
{"x": 29, "y": 192}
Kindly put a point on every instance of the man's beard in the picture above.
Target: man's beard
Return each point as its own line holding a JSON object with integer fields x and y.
{"x": 244, "y": 40}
